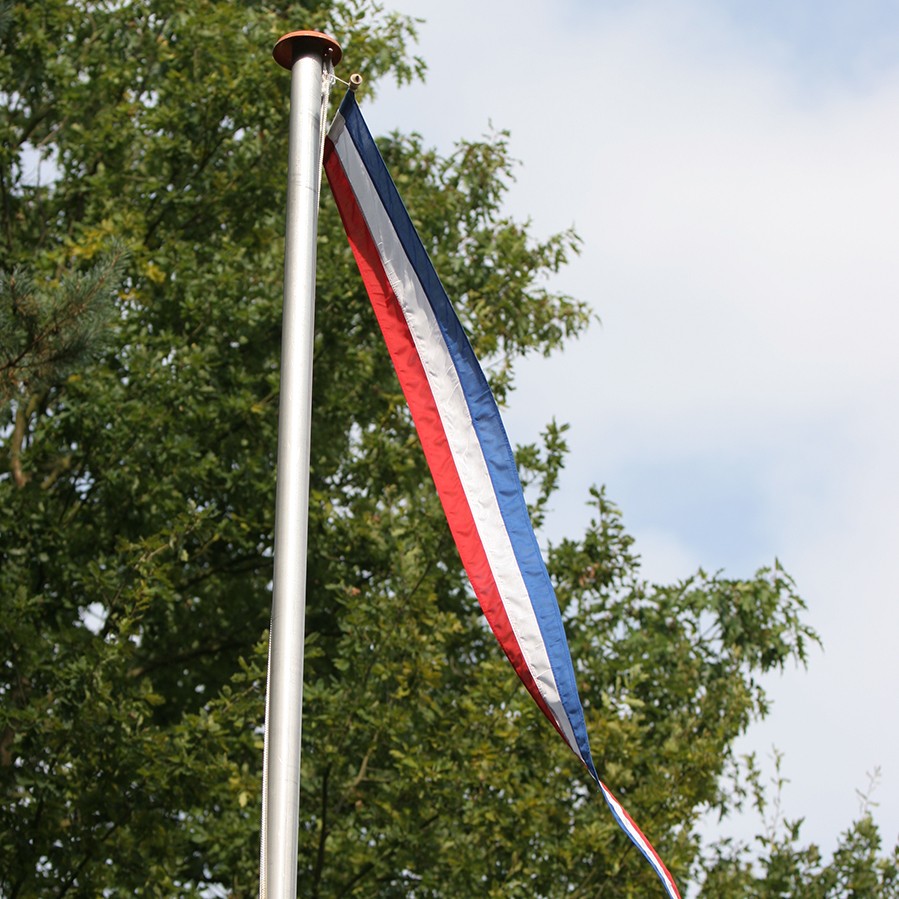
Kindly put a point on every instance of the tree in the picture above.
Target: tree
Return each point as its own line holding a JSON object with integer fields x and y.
{"x": 139, "y": 358}
{"x": 782, "y": 866}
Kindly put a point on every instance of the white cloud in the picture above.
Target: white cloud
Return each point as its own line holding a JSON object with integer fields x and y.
{"x": 740, "y": 216}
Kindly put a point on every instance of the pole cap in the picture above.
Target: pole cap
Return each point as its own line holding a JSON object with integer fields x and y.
{"x": 292, "y": 45}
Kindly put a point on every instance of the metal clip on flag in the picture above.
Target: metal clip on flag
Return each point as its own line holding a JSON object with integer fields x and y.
{"x": 463, "y": 438}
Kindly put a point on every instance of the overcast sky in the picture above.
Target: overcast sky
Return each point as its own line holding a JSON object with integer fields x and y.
{"x": 733, "y": 170}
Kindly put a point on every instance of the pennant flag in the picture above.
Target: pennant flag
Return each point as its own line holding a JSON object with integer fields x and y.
{"x": 463, "y": 438}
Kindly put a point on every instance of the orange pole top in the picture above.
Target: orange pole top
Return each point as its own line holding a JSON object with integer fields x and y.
{"x": 290, "y": 46}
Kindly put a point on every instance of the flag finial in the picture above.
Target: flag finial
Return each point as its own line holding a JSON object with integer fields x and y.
{"x": 291, "y": 45}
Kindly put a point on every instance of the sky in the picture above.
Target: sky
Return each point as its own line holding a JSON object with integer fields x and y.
{"x": 733, "y": 171}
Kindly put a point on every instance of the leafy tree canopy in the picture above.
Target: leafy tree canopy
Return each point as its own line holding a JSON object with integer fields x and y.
{"x": 140, "y": 305}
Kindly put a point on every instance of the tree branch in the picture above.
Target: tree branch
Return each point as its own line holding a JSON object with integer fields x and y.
{"x": 322, "y": 836}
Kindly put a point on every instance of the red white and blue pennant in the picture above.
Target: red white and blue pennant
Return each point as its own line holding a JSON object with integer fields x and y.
{"x": 463, "y": 438}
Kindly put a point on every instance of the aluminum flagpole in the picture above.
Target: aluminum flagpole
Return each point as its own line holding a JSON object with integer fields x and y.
{"x": 303, "y": 53}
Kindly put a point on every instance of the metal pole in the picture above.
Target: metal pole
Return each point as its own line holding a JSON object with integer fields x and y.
{"x": 303, "y": 53}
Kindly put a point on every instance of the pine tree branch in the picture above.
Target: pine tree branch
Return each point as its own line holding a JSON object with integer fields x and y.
{"x": 17, "y": 440}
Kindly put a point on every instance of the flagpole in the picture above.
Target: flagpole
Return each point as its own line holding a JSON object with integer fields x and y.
{"x": 304, "y": 54}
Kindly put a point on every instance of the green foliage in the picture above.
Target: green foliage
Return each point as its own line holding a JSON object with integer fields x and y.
{"x": 780, "y": 865}
{"x": 139, "y": 357}
{"x": 47, "y": 330}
